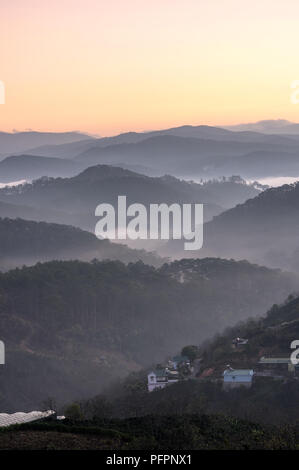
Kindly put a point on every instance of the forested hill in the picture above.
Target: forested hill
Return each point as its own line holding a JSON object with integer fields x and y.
{"x": 264, "y": 229}
{"x": 270, "y": 336}
{"x": 27, "y": 242}
{"x": 77, "y": 197}
{"x": 271, "y": 399}
{"x": 71, "y": 327}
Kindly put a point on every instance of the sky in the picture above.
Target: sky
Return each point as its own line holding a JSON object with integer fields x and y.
{"x": 110, "y": 66}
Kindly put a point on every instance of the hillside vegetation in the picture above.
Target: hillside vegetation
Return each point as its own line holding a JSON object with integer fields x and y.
{"x": 71, "y": 327}
{"x": 151, "y": 433}
{"x": 263, "y": 229}
{"x": 24, "y": 242}
{"x": 74, "y": 200}
{"x": 271, "y": 399}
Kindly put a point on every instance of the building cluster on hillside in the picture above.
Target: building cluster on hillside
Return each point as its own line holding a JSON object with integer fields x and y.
{"x": 176, "y": 369}
{"x": 275, "y": 367}
{"x": 180, "y": 368}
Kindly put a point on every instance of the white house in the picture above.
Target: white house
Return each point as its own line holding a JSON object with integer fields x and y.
{"x": 160, "y": 378}
{"x": 237, "y": 377}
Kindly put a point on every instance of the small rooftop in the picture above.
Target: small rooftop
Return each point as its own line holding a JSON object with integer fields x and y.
{"x": 181, "y": 359}
{"x": 164, "y": 373}
{"x": 238, "y": 372}
{"x": 240, "y": 341}
{"x": 159, "y": 372}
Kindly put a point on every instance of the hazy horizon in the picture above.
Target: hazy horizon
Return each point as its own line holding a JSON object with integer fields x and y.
{"x": 112, "y": 67}
{"x": 98, "y": 134}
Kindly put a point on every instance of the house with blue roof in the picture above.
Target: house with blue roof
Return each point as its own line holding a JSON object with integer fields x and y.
{"x": 237, "y": 377}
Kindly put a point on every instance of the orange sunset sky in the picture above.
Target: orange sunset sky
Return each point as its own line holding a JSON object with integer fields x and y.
{"x": 109, "y": 66}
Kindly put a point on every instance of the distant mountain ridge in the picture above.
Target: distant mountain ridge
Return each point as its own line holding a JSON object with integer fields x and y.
{"x": 270, "y": 126}
{"x": 22, "y": 141}
{"x": 76, "y": 198}
{"x": 198, "y": 132}
{"x": 190, "y": 151}
{"x": 30, "y": 167}
{"x": 191, "y": 157}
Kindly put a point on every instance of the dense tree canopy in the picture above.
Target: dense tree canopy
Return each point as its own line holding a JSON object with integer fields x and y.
{"x": 62, "y": 321}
